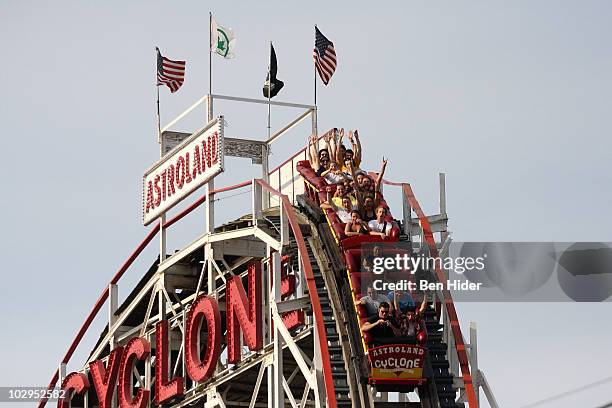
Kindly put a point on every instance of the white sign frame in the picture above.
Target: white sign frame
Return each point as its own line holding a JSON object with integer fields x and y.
{"x": 156, "y": 199}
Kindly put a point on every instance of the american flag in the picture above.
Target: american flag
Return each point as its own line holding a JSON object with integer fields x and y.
{"x": 324, "y": 56}
{"x": 170, "y": 73}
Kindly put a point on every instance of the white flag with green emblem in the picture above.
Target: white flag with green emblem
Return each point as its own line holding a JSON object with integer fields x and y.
{"x": 223, "y": 41}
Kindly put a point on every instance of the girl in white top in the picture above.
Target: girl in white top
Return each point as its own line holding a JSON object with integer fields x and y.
{"x": 334, "y": 175}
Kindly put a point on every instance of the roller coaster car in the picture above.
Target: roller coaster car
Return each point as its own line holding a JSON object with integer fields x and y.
{"x": 394, "y": 367}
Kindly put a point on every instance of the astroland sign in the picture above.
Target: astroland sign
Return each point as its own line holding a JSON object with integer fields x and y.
{"x": 188, "y": 166}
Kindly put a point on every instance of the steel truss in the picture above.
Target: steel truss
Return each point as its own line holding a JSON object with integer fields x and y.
{"x": 289, "y": 364}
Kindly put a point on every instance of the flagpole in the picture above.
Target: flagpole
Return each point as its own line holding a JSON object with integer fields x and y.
{"x": 162, "y": 218}
{"x": 209, "y": 113}
{"x": 158, "y": 118}
{"x": 269, "y": 87}
{"x": 316, "y": 111}
{"x": 157, "y": 89}
{"x": 265, "y": 160}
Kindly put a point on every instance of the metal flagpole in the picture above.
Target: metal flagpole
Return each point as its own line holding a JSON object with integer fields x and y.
{"x": 209, "y": 113}
{"x": 157, "y": 88}
{"x": 158, "y": 116}
{"x": 210, "y": 55}
{"x": 162, "y": 219}
{"x": 316, "y": 111}
{"x": 209, "y": 205}
{"x": 266, "y": 153}
{"x": 269, "y": 87}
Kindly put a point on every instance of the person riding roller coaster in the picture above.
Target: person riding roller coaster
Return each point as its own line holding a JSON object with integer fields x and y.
{"x": 319, "y": 159}
{"x": 382, "y": 326}
{"x": 368, "y": 210}
{"x": 357, "y": 226}
{"x": 380, "y": 226}
{"x": 334, "y": 151}
{"x": 365, "y": 187}
{"x": 333, "y": 175}
{"x": 342, "y": 190}
{"x": 410, "y": 321}
{"x": 371, "y": 301}
{"x": 345, "y": 207}
{"x": 346, "y": 157}
{"x": 387, "y": 327}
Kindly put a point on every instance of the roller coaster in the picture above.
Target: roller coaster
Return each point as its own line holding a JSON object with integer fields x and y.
{"x": 262, "y": 311}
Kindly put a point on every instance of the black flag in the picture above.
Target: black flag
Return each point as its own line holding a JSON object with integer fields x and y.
{"x": 277, "y": 85}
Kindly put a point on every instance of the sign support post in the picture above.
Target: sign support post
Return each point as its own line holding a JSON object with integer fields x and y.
{"x": 209, "y": 208}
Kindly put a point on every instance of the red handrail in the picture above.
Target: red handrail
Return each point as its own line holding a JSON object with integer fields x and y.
{"x": 312, "y": 290}
{"x": 448, "y": 299}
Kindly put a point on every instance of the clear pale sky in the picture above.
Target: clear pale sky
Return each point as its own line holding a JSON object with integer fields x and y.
{"x": 511, "y": 99}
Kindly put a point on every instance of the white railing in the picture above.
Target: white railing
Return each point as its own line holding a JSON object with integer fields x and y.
{"x": 286, "y": 179}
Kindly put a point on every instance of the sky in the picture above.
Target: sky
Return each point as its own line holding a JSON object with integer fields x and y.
{"x": 510, "y": 99}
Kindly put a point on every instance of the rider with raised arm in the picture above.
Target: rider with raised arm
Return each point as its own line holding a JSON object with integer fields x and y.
{"x": 319, "y": 160}
{"x": 354, "y": 139}
{"x": 410, "y": 322}
{"x": 343, "y": 206}
{"x": 345, "y": 156}
{"x": 366, "y": 189}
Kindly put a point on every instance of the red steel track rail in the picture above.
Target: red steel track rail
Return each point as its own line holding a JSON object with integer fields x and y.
{"x": 448, "y": 299}
{"x": 314, "y": 296}
{"x": 312, "y": 291}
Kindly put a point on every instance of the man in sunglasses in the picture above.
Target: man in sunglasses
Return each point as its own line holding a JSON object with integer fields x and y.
{"x": 381, "y": 326}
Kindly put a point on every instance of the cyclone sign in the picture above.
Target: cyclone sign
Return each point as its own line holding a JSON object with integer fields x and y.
{"x": 395, "y": 361}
